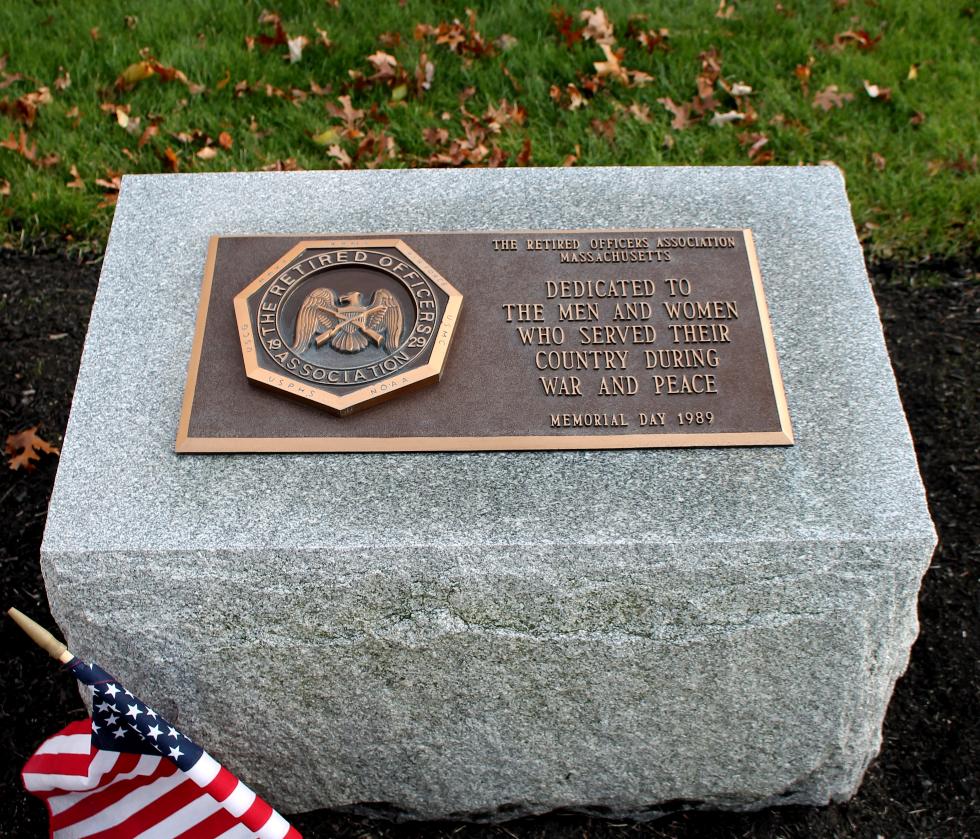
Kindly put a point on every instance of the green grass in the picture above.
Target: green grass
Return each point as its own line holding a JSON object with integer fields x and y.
{"x": 920, "y": 206}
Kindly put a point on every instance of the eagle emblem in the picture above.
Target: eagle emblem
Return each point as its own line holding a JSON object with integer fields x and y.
{"x": 350, "y": 327}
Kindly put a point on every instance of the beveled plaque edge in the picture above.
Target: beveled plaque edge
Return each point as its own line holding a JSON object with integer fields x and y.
{"x": 186, "y": 444}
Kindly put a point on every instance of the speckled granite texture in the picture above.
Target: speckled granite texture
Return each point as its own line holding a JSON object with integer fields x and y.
{"x": 487, "y": 635}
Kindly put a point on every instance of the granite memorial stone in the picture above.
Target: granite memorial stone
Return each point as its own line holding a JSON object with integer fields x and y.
{"x": 483, "y": 635}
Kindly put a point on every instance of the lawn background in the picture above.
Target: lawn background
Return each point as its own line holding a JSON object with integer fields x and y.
{"x": 909, "y": 155}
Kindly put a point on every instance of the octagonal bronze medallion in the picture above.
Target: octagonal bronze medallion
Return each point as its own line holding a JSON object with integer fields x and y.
{"x": 346, "y": 323}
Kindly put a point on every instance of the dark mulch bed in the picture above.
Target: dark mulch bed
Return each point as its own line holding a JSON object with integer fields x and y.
{"x": 926, "y": 781}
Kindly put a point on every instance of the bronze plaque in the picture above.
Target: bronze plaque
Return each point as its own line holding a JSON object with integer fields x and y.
{"x": 579, "y": 339}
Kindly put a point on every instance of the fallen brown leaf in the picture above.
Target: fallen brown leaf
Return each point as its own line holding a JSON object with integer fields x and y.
{"x": 435, "y": 136}
{"x": 650, "y": 39}
{"x": 25, "y": 107}
{"x": 25, "y": 447}
{"x": 570, "y": 95}
{"x": 726, "y": 9}
{"x": 598, "y": 27}
{"x": 524, "y": 155}
{"x": 858, "y": 38}
{"x": 112, "y": 183}
{"x": 681, "y": 113}
{"x": 755, "y": 143}
{"x": 641, "y": 113}
{"x": 830, "y": 97}
{"x": 565, "y": 24}
{"x": 605, "y": 128}
{"x": 879, "y": 161}
{"x": 148, "y": 134}
{"x": 351, "y": 117}
{"x": 225, "y": 140}
{"x": 76, "y": 182}
{"x": 170, "y": 156}
{"x": 20, "y": 146}
{"x": 341, "y": 156}
{"x": 611, "y": 66}
{"x": 287, "y": 165}
{"x": 964, "y": 165}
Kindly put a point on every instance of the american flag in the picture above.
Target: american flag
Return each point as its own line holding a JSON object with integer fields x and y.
{"x": 127, "y": 772}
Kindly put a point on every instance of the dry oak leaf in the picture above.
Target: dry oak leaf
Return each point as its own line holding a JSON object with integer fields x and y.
{"x": 225, "y": 140}
{"x": 830, "y": 97}
{"x": 341, "y": 156}
{"x": 435, "y": 136}
{"x": 207, "y": 153}
{"x": 112, "y": 184}
{"x": 859, "y": 38}
{"x": 391, "y": 40}
{"x": 575, "y": 98}
{"x": 682, "y": 113}
{"x": 148, "y": 134}
{"x": 755, "y": 143}
{"x": 524, "y": 155}
{"x": 605, "y": 128}
{"x": 287, "y": 165}
{"x": 641, "y": 113}
{"x": 4, "y": 187}
{"x": 25, "y": 447}
{"x": 565, "y": 24}
{"x": 652, "y": 39}
{"x": 20, "y": 146}
{"x": 25, "y": 107}
{"x": 879, "y": 161}
{"x": 598, "y": 27}
{"x": 352, "y": 117}
{"x": 8, "y": 79}
{"x": 76, "y": 182}
{"x": 726, "y": 10}
{"x": 385, "y": 67}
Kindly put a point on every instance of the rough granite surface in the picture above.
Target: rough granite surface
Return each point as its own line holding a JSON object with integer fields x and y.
{"x": 487, "y": 635}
